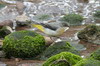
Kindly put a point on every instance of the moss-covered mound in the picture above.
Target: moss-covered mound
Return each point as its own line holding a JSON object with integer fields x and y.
{"x": 96, "y": 54}
{"x": 88, "y": 62}
{"x": 63, "y": 59}
{"x": 72, "y": 19}
{"x": 23, "y": 44}
{"x": 90, "y": 34}
{"x": 58, "y": 48}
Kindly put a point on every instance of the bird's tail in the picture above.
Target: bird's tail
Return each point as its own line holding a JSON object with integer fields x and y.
{"x": 40, "y": 27}
{"x": 62, "y": 29}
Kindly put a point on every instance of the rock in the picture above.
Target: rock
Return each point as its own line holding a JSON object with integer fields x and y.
{"x": 2, "y": 64}
{"x": 20, "y": 7}
{"x": 48, "y": 40}
{"x": 2, "y": 54}
{"x": 4, "y": 31}
{"x": 62, "y": 59}
{"x": 83, "y": 1}
{"x": 88, "y": 62}
{"x": 6, "y": 23}
{"x": 90, "y": 34}
{"x": 22, "y": 20}
{"x": 56, "y": 48}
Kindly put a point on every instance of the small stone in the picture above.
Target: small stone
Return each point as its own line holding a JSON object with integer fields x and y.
{"x": 18, "y": 59}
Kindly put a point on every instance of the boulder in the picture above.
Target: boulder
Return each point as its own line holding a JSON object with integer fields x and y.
{"x": 4, "y": 31}
{"x": 22, "y": 20}
{"x": 62, "y": 59}
{"x": 56, "y": 48}
{"x": 90, "y": 34}
{"x": 88, "y": 62}
{"x": 6, "y": 23}
{"x": 23, "y": 44}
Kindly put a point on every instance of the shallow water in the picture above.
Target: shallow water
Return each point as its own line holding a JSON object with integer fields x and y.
{"x": 70, "y": 35}
{"x": 85, "y": 47}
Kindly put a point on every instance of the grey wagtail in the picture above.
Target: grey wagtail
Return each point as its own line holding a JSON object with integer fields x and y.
{"x": 51, "y": 32}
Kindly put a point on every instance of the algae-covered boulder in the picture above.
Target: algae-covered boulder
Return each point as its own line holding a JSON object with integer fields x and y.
{"x": 96, "y": 54}
{"x": 90, "y": 34}
{"x": 23, "y": 44}
{"x": 56, "y": 48}
{"x": 88, "y": 62}
{"x": 72, "y": 19}
{"x": 63, "y": 59}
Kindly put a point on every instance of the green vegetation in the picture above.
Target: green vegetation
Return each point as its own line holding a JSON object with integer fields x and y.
{"x": 63, "y": 59}
{"x": 23, "y": 44}
{"x": 42, "y": 17}
{"x": 58, "y": 48}
{"x": 90, "y": 34}
{"x": 88, "y": 62}
{"x": 96, "y": 55}
{"x": 97, "y": 14}
{"x": 72, "y": 19}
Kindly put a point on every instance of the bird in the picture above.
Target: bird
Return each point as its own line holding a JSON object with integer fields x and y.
{"x": 48, "y": 30}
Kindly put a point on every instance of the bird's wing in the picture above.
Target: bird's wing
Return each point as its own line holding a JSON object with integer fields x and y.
{"x": 40, "y": 27}
{"x": 48, "y": 26}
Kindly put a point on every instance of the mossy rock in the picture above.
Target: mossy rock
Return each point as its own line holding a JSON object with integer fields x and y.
{"x": 88, "y": 62}
{"x": 72, "y": 19}
{"x": 97, "y": 16}
{"x": 96, "y": 55}
{"x": 42, "y": 17}
{"x": 90, "y": 34}
{"x": 58, "y": 48}
{"x": 63, "y": 59}
{"x": 23, "y": 44}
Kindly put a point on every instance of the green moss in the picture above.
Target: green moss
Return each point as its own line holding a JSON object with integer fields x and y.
{"x": 97, "y": 14}
{"x": 88, "y": 62}
{"x": 90, "y": 34}
{"x": 96, "y": 54}
{"x": 42, "y": 17}
{"x": 63, "y": 59}
{"x": 23, "y": 44}
{"x": 58, "y": 48}
{"x": 72, "y": 19}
